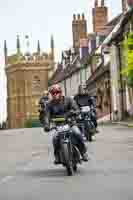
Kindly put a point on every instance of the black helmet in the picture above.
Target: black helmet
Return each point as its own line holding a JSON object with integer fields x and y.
{"x": 82, "y": 89}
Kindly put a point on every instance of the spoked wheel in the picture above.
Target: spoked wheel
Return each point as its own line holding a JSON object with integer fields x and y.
{"x": 67, "y": 159}
{"x": 90, "y": 137}
{"x": 75, "y": 168}
{"x": 70, "y": 170}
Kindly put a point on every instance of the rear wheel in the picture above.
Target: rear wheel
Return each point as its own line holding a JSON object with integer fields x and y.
{"x": 89, "y": 134}
{"x": 90, "y": 137}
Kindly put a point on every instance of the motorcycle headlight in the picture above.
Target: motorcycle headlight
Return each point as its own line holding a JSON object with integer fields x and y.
{"x": 63, "y": 128}
{"x": 85, "y": 109}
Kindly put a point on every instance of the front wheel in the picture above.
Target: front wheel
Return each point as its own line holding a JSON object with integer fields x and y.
{"x": 67, "y": 159}
{"x": 69, "y": 170}
{"x": 75, "y": 168}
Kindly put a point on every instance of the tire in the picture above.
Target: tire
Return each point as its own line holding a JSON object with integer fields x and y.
{"x": 88, "y": 133}
{"x": 70, "y": 170}
{"x": 67, "y": 159}
{"x": 75, "y": 168}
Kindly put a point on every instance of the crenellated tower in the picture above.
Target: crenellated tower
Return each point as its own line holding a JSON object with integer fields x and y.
{"x": 27, "y": 77}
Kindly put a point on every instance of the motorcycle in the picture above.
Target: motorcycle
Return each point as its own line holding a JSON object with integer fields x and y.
{"x": 69, "y": 154}
{"x": 85, "y": 123}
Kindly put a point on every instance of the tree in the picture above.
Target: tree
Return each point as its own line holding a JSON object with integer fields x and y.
{"x": 128, "y": 70}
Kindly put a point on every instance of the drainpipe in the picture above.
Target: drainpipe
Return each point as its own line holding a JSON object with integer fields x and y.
{"x": 65, "y": 86}
{"x": 121, "y": 83}
{"x": 110, "y": 103}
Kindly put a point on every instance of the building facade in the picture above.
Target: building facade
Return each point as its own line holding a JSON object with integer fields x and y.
{"x": 122, "y": 93}
{"x": 27, "y": 77}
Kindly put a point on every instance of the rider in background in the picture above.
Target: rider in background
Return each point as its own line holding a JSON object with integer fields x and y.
{"x": 42, "y": 105}
{"x": 83, "y": 99}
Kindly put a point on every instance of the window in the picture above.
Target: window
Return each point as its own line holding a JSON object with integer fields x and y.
{"x": 70, "y": 82}
{"x": 36, "y": 85}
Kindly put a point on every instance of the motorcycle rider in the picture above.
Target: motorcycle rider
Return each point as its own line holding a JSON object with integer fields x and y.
{"x": 58, "y": 106}
{"x": 42, "y": 105}
{"x": 83, "y": 99}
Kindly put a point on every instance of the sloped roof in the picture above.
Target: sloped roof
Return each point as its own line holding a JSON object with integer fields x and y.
{"x": 61, "y": 74}
{"x": 98, "y": 72}
{"x": 114, "y": 21}
{"x": 110, "y": 25}
{"x": 57, "y": 76}
{"x": 117, "y": 30}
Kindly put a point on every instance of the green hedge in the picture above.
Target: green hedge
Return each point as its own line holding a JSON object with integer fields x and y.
{"x": 31, "y": 123}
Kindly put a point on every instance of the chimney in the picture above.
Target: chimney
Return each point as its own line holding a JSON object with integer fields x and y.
{"x": 100, "y": 16}
{"x": 124, "y": 6}
{"x": 79, "y": 30}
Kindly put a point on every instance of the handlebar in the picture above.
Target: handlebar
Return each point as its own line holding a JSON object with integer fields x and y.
{"x": 62, "y": 119}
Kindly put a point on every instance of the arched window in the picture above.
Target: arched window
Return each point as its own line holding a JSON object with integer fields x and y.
{"x": 36, "y": 85}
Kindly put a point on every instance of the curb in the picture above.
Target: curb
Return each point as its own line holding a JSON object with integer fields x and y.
{"x": 130, "y": 125}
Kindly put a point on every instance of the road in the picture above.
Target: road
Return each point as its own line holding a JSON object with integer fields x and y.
{"x": 27, "y": 171}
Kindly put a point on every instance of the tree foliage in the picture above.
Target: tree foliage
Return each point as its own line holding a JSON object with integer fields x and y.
{"x": 128, "y": 70}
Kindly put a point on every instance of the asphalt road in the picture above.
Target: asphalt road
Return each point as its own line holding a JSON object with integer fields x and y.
{"x": 27, "y": 171}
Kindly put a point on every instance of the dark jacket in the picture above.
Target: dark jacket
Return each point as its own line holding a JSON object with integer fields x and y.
{"x": 58, "y": 109}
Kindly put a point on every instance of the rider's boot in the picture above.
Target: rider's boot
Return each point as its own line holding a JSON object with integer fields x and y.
{"x": 57, "y": 158}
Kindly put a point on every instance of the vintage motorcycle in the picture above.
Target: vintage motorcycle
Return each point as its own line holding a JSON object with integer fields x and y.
{"x": 85, "y": 123}
{"x": 69, "y": 154}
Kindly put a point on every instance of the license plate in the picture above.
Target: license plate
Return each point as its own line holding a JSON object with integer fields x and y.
{"x": 85, "y": 109}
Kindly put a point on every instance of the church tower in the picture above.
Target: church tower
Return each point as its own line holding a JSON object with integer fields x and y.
{"x": 100, "y": 16}
{"x": 27, "y": 78}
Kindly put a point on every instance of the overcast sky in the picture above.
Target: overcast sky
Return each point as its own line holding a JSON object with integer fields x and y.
{"x": 39, "y": 19}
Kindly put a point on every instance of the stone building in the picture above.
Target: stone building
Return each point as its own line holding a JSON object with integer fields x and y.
{"x": 122, "y": 92}
{"x": 27, "y": 77}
